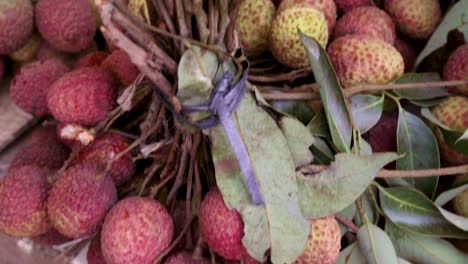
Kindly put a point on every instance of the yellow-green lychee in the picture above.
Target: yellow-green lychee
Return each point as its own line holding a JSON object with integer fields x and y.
{"x": 254, "y": 20}
{"x": 285, "y": 43}
{"x": 460, "y": 202}
{"x": 363, "y": 59}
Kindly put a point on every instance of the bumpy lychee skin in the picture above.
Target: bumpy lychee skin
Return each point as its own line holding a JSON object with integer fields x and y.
{"x": 84, "y": 96}
{"x": 415, "y": 18}
{"x": 16, "y": 23}
{"x": 285, "y": 43}
{"x": 136, "y": 230}
{"x": 91, "y": 59}
{"x": 29, "y": 87}
{"x": 327, "y": 7}
{"x": 254, "y": 19}
{"x": 23, "y": 195}
{"x": 121, "y": 67}
{"x": 408, "y": 53}
{"x": 68, "y": 25}
{"x": 42, "y": 149}
{"x": 94, "y": 254}
{"x": 29, "y": 50}
{"x": 184, "y": 257}
{"x": 79, "y": 200}
{"x": 456, "y": 68}
{"x": 362, "y": 59}
{"x": 453, "y": 112}
{"x": 221, "y": 228}
{"x": 323, "y": 246}
{"x": 348, "y": 5}
{"x": 460, "y": 202}
{"x": 367, "y": 21}
{"x": 103, "y": 149}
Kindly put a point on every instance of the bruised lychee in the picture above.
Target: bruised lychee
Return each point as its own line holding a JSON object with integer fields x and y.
{"x": 221, "y": 228}
{"x": 83, "y": 96}
{"x": 460, "y": 202}
{"x": 285, "y": 43}
{"x": 16, "y": 24}
{"x": 367, "y": 21}
{"x": 23, "y": 195}
{"x": 94, "y": 254}
{"x": 414, "y": 18}
{"x": 79, "y": 200}
{"x": 136, "y": 230}
{"x": 408, "y": 53}
{"x": 91, "y": 59}
{"x": 68, "y": 25}
{"x": 121, "y": 67}
{"x": 362, "y": 59}
{"x": 29, "y": 50}
{"x": 323, "y": 246}
{"x": 42, "y": 149}
{"x": 103, "y": 149}
{"x": 327, "y": 7}
{"x": 29, "y": 88}
{"x": 184, "y": 257}
{"x": 348, "y": 5}
{"x": 456, "y": 68}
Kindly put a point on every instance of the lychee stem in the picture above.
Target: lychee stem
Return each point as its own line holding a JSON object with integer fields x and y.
{"x": 348, "y": 223}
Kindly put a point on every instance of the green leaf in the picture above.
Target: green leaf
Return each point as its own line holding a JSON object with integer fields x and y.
{"x": 458, "y": 221}
{"x": 256, "y": 226}
{"x": 366, "y": 110}
{"x": 334, "y": 103}
{"x": 322, "y": 153}
{"x": 403, "y": 261}
{"x": 420, "y": 93}
{"x": 368, "y": 207}
{"x": 416, "y": 140}
{"x": 412, "y": 210}
{"x": 318, "y": 126}
{"x": 455, "y": 18}
{"x": 348, "y": 213}
{"x": 428, "y": 103}
{"x": 340, "y": 184}
{"x": 375, "y": 245}
{"x": 299, "y": 140}
{"x": 422, "y": 249}
{"x": 298, "y": 109}
{"x": 362, "y": 146}
{"x": 274, "y": 170}
{"x": 351, "y": 255}
{"x": 449, "y": 194}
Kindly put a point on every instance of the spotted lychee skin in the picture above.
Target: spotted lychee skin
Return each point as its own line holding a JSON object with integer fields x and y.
{"x": 323, "y": 246}
{"x": 327, "y": 7}
{"x": 29, "y": 50}
{"x": 414, "y": 18}
{"x": 79, "y": 200}
{"x": 221, "y": 228}
{"x": 366, "y": 21}
{"x": 29, "y": 87}
{"x": 118, "y": 64}
{"x": 348, "y": 5}
{"x": 460, "y": 202}
{"x": 16, "y": 24}
{"x": 408, "y": 53}
{"x": 23, "y": 195}
{"x": 42, "y": 149}
{"x": 453, "y": 112}
{"x": 184, "y": 257}
{"x": 136, "y": 230}
{"x": 456, "y": 68}
{"x": 83, "y": 96}
{"x": 362, "y": 59}
{"x": 94, "y": 254}
{"x": 91, "y": 59}
{"x": 68, "y": 25}
{"x": 285, "y": 43}
{"x": 103, "y": 149}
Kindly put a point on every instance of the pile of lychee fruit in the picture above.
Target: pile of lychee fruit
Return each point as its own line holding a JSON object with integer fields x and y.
{"x": 61, "y": 74}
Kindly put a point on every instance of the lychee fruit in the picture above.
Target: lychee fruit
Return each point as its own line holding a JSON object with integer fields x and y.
{"x": 16, "y": 23}
{"x": 415, "y": 18}
{"x": 327, "y": 7}
{"x": 361, "y": 59}
{"x": 29, "y": 87}
{"x": 254, "y": 19}
{"x": 366, "y": 21}
{"x": 382, "y": 137}
{"x": 246, "y": 260}
{"x": 79, "y": 200}
{"x": 47, "y": 52}
{"x": 184, "y": 257}
{"x": 136, "y": 230}
{"x": 68, "y": 25}
{"x": 221, "y": 228}
{"x": 119, "y": 65}
{"x": 83, "y": 96}
{"x": 94, "y": 254}
{"x": 91, "y": 59}
{"x": 460, "y": 202}
{"x": 29, "y": 50}
{"x": 23, "y": 195}
{"x": 456, "y": 68}
{"x": 348, "y": 5}
{"x": 323, "y": 246}
{"x": 42, "y": 149}
{"x": 407, "y": 51}
{"x": 103, "y": 149}
{"x": 452, "y": 112}
{"x": 285, "y": 43}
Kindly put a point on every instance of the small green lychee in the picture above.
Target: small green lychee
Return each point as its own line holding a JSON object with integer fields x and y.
{"x": 460, "y": 202}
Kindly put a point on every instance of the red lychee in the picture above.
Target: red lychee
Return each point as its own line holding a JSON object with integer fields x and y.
{"x": 382, "y": 137}
{"x": 136, "y": 230}
{"x": 16, "y": 24}
{"x": 94, "y": 254}
{"x": 456, "y": 68}
{"x": 46, "y": 52}
{"x": 91, "y": 59}
{"x": 408, "y": 53}
{"x": 184, "y": 257}
{"x": 51, "y": 238}
{"x": 348, "y": 5}
{"x": 121, "y": 67}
